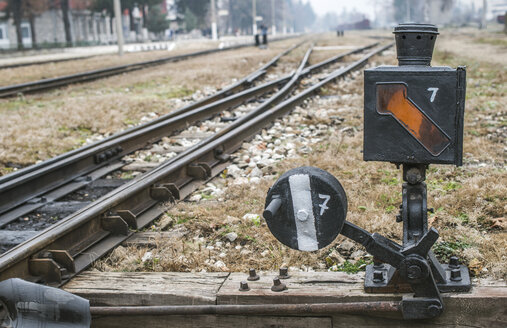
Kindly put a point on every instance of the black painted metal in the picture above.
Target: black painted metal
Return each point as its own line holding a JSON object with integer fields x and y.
{"x": 84, "y": 232}
{"x": 415, "y": 226}
{"x": 304, "y": 189}
{"x": 326, "y": 211}
{"x": 435, "y": 94}
{"x": 413, "y": 115}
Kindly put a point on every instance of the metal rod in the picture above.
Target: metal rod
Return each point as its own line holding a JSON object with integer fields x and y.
{"x": 262, "y": 309}
{"x": 214, "y": 33}
{"x": 119, "y": 26}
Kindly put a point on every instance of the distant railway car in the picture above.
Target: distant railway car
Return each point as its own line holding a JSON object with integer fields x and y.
{"x": 361, "y": 25}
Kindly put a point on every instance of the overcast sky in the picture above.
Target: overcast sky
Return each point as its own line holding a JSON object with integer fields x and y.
{"x": 368, "y": 6}
{"x": 323, "y": 6}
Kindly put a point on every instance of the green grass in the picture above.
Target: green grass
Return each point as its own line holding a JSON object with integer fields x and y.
{"x": 350, "y": 267}
{"x": 445, "y": 249}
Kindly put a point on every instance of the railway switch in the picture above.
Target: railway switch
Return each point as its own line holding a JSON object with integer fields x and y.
{"x": 413, "y": 117}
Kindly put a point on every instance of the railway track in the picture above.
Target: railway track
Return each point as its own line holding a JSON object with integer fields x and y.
{"x": 52, "y": 83}
{"x": 93, "y": 229}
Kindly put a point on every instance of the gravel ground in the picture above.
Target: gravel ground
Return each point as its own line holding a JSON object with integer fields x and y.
{"x": 222, "y": 223}
{"x": 224, "y": 230}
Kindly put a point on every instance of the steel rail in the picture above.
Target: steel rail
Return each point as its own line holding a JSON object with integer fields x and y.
{"x": 17, "y": 191}
{"x": 226, "y": 91}
{"x": 51, "y": 83}
{"x": 25, "y": 184}
{"x": 248, "y": 309}
{"x": 74, "y": 243}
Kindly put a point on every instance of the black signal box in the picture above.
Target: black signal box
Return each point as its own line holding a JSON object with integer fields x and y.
{"x": 413, "y": 113}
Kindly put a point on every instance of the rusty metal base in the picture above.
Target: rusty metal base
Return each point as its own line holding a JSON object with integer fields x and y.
{"x": 392, "y": 283}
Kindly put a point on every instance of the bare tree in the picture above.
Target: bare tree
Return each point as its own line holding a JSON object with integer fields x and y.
{"x": 31, "y": 9}
{"x": 15, "y": 8}
{"x": 64, "y": 4}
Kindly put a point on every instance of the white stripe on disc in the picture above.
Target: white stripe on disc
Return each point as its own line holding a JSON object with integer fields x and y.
{"x": 301, "y": 193}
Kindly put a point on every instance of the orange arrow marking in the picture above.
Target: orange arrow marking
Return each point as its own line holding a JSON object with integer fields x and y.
{"x": 392, "y": 100}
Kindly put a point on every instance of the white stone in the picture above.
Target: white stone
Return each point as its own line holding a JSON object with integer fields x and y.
{"x": 147, "y": 257}
{"x": 219, "y": 264}
{"x": 231, "y": 236}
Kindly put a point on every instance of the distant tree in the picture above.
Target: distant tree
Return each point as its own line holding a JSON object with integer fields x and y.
{"x": 105, "y": 6}
{"x": 400, "y": 11}
{"x": 64, "y": 5}
{"x": 146, "y": 6}
{"x": 31, "y": 9}
{"x": 197, "y": 8}
{"x": 15, "y": 9}
{"x": 190, "y": 20}
{"x": 304, "y": 16}
{"x": 157, "y": 22}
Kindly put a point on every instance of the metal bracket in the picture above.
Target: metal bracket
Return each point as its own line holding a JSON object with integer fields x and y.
{"x": 199, "y": 171}
{"x": 47, "y": 269}
{"x": 165, "y": 192}
{"x": 382, "y": 278}
{"x": 128, "y": 217}
{"x": 115, "y": 224}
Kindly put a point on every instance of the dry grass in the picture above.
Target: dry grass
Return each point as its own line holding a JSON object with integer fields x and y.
{"x": 63, "y": 119}
{"x": 17, "y": 75}
{"x": 470, "y": 201}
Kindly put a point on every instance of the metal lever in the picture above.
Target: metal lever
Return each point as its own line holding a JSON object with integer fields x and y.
{"x": 412, "y": 264}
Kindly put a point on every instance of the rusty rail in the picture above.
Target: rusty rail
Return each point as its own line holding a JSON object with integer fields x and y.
{"x": 46, "y": 84}
{"x": 39, "y": 180}
{"x": 75, "y": 242}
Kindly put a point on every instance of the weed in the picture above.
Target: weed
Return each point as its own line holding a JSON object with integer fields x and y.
{"x": 350, "y": 267}
{"x": 445, "y": 249}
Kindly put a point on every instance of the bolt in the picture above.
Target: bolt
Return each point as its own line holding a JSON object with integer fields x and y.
{"x": 453, "y": 262}
{"x": 399, "y": 218}
{"x": 414, "y": 176}
{"x": 434, "y": 310}
{"x": 456, "y": 275}
{"x": 302, "y": 215}
{"x": 278, "y": 286}
{"x": 243, "y": 286}
{"x": 414, "y": 272}
{"x": 377, "y": 264}
{"x": 284, "y": 273}
{"x": 252, "y": 275}
{"x": 378, "y": 276}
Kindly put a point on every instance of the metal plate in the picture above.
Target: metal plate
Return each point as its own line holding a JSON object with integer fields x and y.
{"x": 306, "y": 208}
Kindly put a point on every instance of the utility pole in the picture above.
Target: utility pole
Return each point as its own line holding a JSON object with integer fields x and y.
{"x": 273, "y": 18}
{"x": 408, "y": 11}
{"x": 119, "y": 26}
{"x": 284, "y": 14}
{"x": 254, "y": 17}
{"x": 483, "y": 16}
{"x": 214, "y": 34}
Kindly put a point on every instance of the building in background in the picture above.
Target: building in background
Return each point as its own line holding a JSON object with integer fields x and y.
{"x": 89, "y": 22}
